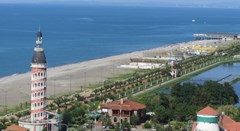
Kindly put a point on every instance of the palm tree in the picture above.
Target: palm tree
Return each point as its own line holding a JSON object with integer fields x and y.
{"x": 4, "y": 121}
{"x": 79, "y": 97}
{"x": 58, "y": 101}
{"x": 12, "y": 119}
{"x": 51, "y": 105}
{"x": 65, "y": 100}
{"x": 95, "y": 91}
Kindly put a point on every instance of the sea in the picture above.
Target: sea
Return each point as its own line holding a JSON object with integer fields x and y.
{"x": 75, "y": 33}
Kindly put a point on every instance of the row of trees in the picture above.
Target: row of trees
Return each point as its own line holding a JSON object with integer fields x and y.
{"x": 140, "y": 80}
{"x": 159, "y": 74}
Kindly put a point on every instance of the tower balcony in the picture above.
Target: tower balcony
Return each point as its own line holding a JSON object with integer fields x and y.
{"x": 39, "y": 65}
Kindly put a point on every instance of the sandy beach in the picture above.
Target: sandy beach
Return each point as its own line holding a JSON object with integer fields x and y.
{"x": 68, "y": 78}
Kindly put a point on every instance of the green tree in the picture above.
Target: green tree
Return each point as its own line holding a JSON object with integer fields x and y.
{"x": 147, "y": 125}
{"x": 125, "y": 125}
{"x": 13, "y": 119}
{"x": 134, "y": 120}
{"x": 177, "y": 125}
{"x": 3, "y": 123}
{"x": 51, "y": 105}
{"x": 229, "y": 110}
{"x": 90, "y": 123}
{"x": 58, "y": 101}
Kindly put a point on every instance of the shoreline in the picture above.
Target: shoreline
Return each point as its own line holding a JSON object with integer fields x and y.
{"x": 15, "y": 89}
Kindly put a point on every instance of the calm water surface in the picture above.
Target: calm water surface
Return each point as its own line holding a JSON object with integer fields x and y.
{"x": 232, "y": 70}
{"x": 78, "y": 33}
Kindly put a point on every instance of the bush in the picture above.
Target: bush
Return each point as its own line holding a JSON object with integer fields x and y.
{"x": 134, "y": 120}
{"x": 147, "y": 125}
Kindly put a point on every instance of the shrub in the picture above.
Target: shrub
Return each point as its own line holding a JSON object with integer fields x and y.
{"x": 147, "y": 125}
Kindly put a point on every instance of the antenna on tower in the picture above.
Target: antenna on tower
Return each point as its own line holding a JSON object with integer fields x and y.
{"x": 39, "y": 37}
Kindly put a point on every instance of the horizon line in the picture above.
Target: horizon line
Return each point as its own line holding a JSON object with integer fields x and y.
{"x": 109, "y": 4}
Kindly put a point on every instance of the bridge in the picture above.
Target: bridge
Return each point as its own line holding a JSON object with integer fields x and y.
{"x": 218, "y": 80}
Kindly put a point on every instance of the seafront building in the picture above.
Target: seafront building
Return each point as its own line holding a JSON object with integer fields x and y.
{"x": 164, "y": 58}
{"x": 209, "y": 119}
{"x": 121, "y": 110}
{"x": 151, "y": 62}
{"x": 39, "y": 118}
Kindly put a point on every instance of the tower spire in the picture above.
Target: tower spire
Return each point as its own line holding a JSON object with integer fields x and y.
{"x": 39, "y": 38}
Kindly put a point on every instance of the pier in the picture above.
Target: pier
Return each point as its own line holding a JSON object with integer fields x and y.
{"x": 224, "y": 77}
{"x": 216, "y": 36}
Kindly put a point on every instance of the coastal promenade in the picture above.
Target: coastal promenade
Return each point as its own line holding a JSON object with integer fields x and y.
{"x": 185, "y": 76}
{"x": 64, "y": 79}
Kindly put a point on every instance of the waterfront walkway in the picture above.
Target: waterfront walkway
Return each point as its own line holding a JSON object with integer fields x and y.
{"x": 184, "y": 76}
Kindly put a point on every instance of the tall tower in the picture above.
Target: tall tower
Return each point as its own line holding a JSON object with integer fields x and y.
{"x": 40, "y": 118}
{"x": 38, "y": 81}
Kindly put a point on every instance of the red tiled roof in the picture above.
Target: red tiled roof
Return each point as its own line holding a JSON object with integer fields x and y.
{"x": 15, "y": 127}
{"x": 208, "y": 111}
{"x": 229, "y": 124}
{"x": 226, "y": 120}
{"x": 127, "y": 105}
{"x": 235, "y": 126}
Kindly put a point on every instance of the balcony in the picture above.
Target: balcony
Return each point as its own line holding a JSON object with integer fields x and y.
{"x": 122, "y": 115}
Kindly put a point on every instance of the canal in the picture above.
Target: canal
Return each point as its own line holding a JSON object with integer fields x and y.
{"x": 222, "y": 73}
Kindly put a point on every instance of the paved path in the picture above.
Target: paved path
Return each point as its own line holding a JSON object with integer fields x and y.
{"x": 177, "y": 78}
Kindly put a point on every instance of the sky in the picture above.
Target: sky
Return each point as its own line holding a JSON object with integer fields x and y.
{"x": 172, "y": 3}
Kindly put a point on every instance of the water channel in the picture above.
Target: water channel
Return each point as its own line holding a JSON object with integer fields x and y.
{"x": 222, "y": 73}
